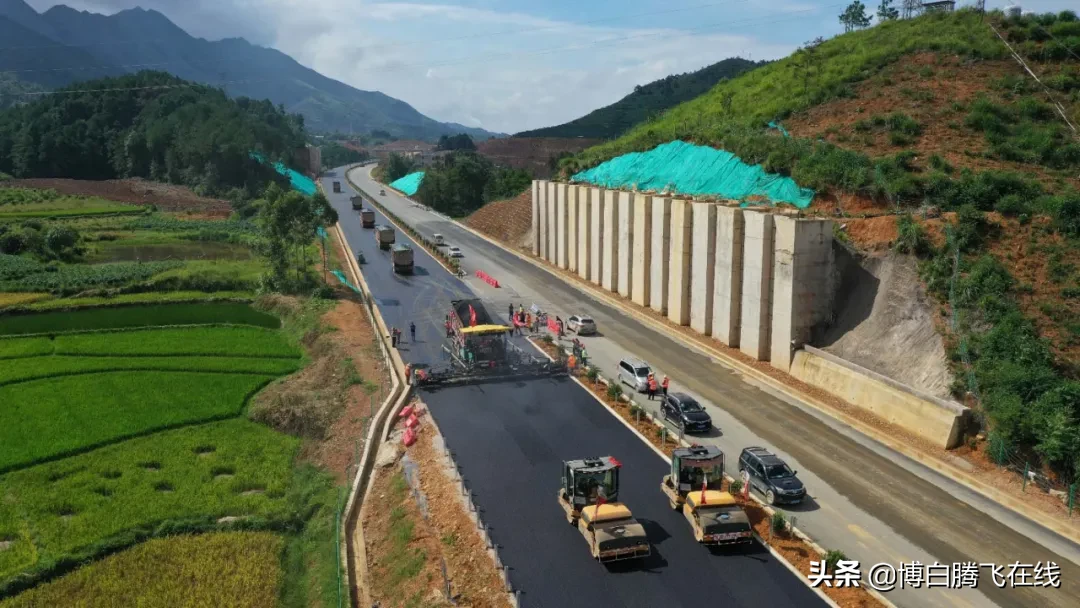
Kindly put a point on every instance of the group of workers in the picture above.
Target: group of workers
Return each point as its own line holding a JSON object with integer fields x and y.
{"x": 395, "y": 334}
{"x": 524, "y": 319}
{"x": 652, "y": 386}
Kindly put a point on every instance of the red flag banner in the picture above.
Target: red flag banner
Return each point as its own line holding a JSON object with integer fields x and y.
{"x": 472, "y": 316}
{"x": 552, "y": 325}
{"x": 704, "y": 485}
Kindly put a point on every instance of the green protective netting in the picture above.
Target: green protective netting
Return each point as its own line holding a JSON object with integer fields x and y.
{"x": 409, "y": 184}
{"x": 679, "y": 167}
{"x": 298, "y": 181}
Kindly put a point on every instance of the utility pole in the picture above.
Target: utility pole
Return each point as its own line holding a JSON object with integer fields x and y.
{"x": 980, "y": 5}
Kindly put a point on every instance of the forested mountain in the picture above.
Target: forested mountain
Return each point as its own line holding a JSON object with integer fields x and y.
{"x": 645, "y": 101}
{"x": 152, "y": 125}
{"x": 63, "y": 45}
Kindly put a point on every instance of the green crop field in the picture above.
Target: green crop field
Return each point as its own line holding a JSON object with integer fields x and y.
{"x": 220, "y": 341}
{"x": 137, "y": 316}
{"x": 18, "y": 371}
{"x": 197, "y": 474}
{"x": 236, "y": 569}
{"x": 46, "y": 418}
{"x": 13, "y": 348}
{"x": 29, "y": 203}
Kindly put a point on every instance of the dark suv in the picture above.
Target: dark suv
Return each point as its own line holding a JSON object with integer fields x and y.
{"x": 771, "y": 476}
{"x": 686, "y": 413}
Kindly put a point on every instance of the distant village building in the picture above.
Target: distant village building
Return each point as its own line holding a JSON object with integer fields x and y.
{"x": 940, "y": 6}
{"x": 406, "y": 147}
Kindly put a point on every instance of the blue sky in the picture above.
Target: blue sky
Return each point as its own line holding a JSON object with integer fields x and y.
{"x": 510, "y": 65}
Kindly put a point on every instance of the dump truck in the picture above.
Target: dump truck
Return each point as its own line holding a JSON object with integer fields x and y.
{"x": 357, "y": 202}
{"x": 478, "y": 349}
{"x": 590, "y": 498}
{"x": 384, "y": 236}
{"x": 367, "y": 218}
{"x": 402, "y": 256}
{"x": 694, "y": 487}
{"x": 337, "y": 187}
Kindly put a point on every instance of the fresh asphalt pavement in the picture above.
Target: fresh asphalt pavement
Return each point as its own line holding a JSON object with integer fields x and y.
{"x": 866, "y": 500}
{"x": 510, "y": 440}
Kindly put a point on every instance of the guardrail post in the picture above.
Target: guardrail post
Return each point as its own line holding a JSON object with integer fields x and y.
{"x": 1023, "y": 486}
{"x": 663, "y": 437}
{"x": 1072, "y": 498}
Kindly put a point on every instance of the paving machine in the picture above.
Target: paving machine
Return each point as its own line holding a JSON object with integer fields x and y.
{"x": 590, "y": 497}
{"x": 478, "y": 349}
{"x": 694, "y": 487}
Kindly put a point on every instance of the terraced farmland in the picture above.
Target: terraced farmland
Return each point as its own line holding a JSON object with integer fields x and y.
{"x": 121, "y": 425}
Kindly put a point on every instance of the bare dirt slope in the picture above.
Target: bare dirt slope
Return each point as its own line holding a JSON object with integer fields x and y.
{"x": 167, "y": 197}
{"x": 531, "y": 153}
{"x": 885, "y": 322}
{"x": 509, "y": 221}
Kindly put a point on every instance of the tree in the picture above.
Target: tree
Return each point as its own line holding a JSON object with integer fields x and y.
{"x": 886, "y": 12}
{"x": 461, "y": 141}
{"x": 854, "y": 16}
{"x": 288, "y": 221}
{"x": 398, "y": 166}
{"x": 809, "y": 58}
{"x": 61, "y": 242}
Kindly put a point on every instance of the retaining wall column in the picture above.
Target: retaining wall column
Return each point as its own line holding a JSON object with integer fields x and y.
{"x": 802, "y": 284}
{"x": 679, "y": 263}
{"x": 584, "y": 232}
{"x": 757, "y": 284}
{"x": 703, "y": 267}
{"x": 562, "y": 206}
{"x": 641, "y": 291}
{"x": 661, "y": 246}
{"x": 536, "y": 217}
{"x": 626, "y": 243}
{"x": 727, "y": 284}
{"x": 571, "y": 228}
{"x": 610, "y": 279}
{"x": 553, "y": 226}
{"x": 542, "y": 229}
{"x": 597, "y": 243}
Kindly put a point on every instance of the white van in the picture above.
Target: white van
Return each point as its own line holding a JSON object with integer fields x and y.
{"x": 439, "y": 241}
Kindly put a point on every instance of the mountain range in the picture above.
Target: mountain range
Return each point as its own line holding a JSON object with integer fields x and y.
{"x": 63, "y": 45}
{"x": 646, "y": 101}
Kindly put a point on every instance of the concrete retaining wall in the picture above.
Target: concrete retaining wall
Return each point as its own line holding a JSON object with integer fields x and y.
{"x": 679, "y": 263}
{"x": 610, "y": 280}
{"x": 702, "y": 267}
{"x": 542, "y": 227}
{"x": 597, "y": 244}
{"x": 571, "y": 228}
{"x": 560, "y": 225}
{"x": 942, "y": 422}
{"x": 551, "y": 223}
{"x": 536, "y": 217}
{"x": 626, "y": 243}
{"x": 641, "y": 291}
{"x": 757, "y": 284}
{"x": 802, "y": 284}
{"x": 584, "y": 232}
{"x": 727, "y": 282}
{"x": 660, "y": 256}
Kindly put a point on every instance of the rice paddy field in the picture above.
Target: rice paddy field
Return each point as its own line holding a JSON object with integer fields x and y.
{"x": 131, "y": 474}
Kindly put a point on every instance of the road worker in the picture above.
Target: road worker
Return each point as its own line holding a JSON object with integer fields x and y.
{"x": 664, "y": 385}
{"x": 652, "y": 387}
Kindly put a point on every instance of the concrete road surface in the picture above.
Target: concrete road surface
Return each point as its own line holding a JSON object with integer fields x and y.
{"x": 510, "y": 440}
{"x": 866, "y": 500}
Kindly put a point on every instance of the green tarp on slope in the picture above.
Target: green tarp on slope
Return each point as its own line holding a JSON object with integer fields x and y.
{"x": 299, "y": 182}
{"x": 685, "y": 168}
{"x": 409, "y": 184}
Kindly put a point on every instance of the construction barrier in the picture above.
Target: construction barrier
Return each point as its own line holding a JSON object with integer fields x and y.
{"x": 487, "y": 278}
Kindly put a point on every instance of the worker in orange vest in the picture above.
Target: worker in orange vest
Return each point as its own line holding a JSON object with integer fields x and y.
{"x": 570, "y": 362}
{"x": 664, "y": 385}
{"x": 652, "y": 387}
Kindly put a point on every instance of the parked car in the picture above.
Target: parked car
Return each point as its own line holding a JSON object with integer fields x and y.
{"x": 635, "y": 372}
{"x": 581, "y": 325}
{"x": 686, "y": 413}
{"x": 768, "y": 474}
{"x": 455, "y": 252}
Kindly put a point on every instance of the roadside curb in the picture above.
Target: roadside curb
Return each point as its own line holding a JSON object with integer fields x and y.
{"x": 683, "y": 443}
{"x": 1069, "y": 532}
{"x": 353, "y": 550}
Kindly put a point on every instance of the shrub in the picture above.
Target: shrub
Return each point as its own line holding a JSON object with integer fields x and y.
{"x": 911, "y": 237}
{"x": 1067, "y": 215}
{"x": 831, "y": 557}
{"x": 778, "y": 522}
{"x": 735, "y": 486}
{"x": 614, "y": 391}
{"x": 592, "y": 374}
{"x": 1012, "y": 205}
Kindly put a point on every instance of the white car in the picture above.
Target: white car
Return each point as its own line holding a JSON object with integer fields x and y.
{"x": 581, "y": 325}
{"x": 455, "y": 252}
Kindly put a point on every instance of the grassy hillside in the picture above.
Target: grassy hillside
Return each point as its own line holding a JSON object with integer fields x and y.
{"x": 646, "y": 101}
{"x": 913, "y": 118}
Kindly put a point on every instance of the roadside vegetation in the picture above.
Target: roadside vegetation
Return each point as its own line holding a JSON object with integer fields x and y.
{"x": 335, "y": 155}
{"x": 932, "y": 117}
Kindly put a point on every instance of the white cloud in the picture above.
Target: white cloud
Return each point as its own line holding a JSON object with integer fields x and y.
{"x": 505, "y": 71}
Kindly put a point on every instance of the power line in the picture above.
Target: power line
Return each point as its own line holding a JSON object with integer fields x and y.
{"x": 1067, "y": 48}
{"x": 1054, "y": 102}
